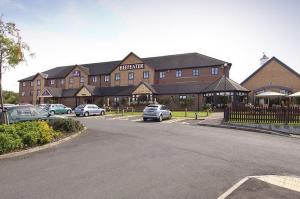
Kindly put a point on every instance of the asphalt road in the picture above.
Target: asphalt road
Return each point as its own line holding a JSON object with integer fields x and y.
{"x": 126, "y": 159}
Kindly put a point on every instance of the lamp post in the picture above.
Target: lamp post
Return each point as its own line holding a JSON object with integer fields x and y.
{"x": 224, "y": 66}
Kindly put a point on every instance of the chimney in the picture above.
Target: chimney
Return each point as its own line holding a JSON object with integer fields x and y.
{"x": 264, "y": 59}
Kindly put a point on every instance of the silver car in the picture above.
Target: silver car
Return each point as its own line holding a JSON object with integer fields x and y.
{"x": 88, "y": 109}
{"x": 157, "y": 112}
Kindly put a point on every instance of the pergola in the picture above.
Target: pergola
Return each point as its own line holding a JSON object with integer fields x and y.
{"x": 224, "y": 91}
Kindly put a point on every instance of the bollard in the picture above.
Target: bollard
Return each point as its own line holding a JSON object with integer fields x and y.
{"x": 196, "y": 116}
{"x": 123, "y": 112}
{"x": 185, "y": 114}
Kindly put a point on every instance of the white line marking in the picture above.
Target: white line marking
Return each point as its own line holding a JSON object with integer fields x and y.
{"x": 234, "y": 187}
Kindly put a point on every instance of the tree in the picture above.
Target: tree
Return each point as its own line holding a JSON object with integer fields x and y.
{"x": 10, "y": 97}
{"x": 12, "y": 52}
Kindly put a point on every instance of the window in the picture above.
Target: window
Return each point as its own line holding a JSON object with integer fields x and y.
{"x": 116, "y": 99}
{"x": 146, "y": 74}
{"x": 182, "y": 99}
{"x": 106, "y": 78}
{"x": 94, "y": 79}
{"x": 214, "y": 71}
{"x": 81, "y": 79}
{"x": 71, "y": 80}
{"x": 31, "y": 83}
{"x": 117, "y": 76}
{"x": 23, "y": 94}
{"x": 62, "y": 81}
{"x": 178, "y": 73}
{"x": 162, "y": 74}
{"x": 52, "y": 81}
{"x": 38, "y": 82}
{"x": 23, "y": 84}
{"x": 195, "y": 72}
{"x": 131, "y": 76}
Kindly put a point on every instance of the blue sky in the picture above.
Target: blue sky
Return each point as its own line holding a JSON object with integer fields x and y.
{"x": 74, "y": 32}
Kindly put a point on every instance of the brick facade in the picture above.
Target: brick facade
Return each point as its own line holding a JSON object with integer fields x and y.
{"x": 149, "y": 74}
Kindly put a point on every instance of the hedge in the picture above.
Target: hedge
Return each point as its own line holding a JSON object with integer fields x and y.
{"x": 32, "y": 133}
{"x": 66, "y": 125}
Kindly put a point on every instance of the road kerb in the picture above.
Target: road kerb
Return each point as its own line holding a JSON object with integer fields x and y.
{"x": 39, "y": 148}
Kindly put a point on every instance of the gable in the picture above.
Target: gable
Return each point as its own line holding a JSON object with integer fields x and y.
{"x": 46, "y": 93}
{"x": 83, "y": 92}
{"x": 273, "y": 66}
{"x": 142, "y": 89}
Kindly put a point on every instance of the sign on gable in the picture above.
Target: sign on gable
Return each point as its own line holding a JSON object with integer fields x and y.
{"x": 131, "y": 66}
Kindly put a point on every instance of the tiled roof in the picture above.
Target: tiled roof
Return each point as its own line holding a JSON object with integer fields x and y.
{"x": 186, "y": 60}
{"x": 224, "y": 84}
{"x": 179, "y": 88}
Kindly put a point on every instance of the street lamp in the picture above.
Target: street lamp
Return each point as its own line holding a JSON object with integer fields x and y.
{"x": 224, "y": 66}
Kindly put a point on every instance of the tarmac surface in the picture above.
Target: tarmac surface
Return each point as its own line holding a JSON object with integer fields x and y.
{"x": 124, "y": 157}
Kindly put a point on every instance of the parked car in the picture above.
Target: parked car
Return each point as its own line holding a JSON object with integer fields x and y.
{"x": 24, "y": 113}
{"x": 58, "y": 109}
{"x": 157, "y": 112}
{"x": 88, "y": 109}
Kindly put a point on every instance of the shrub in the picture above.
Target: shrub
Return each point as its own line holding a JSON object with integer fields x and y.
{"x": 66, "y": 125}
{"x": 25, "y": 134}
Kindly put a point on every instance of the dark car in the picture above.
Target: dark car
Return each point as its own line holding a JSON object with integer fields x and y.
{"x": 24, "y": 113}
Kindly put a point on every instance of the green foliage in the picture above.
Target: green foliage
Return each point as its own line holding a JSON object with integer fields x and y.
{"x": 66, "y": 125}
{"x": 187, "y": 102}
{"x": 207, "y": 107}
{"x": 10, "y": 97}
{"x": 25, "y": 134}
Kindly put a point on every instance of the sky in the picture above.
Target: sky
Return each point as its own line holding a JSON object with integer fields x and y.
{"x": 68, "y": 32}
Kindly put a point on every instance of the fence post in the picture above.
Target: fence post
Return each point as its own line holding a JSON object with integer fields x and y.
{"x": 185, "y": 114}
{"x": 196, "y": 115}
{"x": 122, "y": 112}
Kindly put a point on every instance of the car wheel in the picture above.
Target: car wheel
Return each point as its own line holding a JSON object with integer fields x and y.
{"x": 145, "y": 119}
{"x": 52, "y": 112}
{"x": 170, "y": 117}
{"x": 102, "y": 113}
{"x": 160, "y": 118}
{"x": 69, "y": 112}
{"x": 86, "y": 114}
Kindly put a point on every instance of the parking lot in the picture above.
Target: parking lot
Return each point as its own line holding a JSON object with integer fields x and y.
{"x": 123, "y": 157}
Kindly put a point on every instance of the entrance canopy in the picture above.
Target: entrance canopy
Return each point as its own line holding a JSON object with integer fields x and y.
{"x": 270, "y": 94}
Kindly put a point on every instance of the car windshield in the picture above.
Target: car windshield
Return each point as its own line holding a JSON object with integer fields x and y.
{"x": 81, "y": 106}
{"x": 151, "y": 107}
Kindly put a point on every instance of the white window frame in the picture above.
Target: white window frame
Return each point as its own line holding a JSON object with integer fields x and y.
{"x": 131, "y": 76}
{"x": 117, "y": 76}
{"x": 162, "y": 74}
{"x": 31, "y": 83}
{"x": 195, "y": 72}
{"x": 52, "y": 81}
{"x": 82, "y": 79}
{"x": 71, "y": 80}
{"x": 178, "y": 73}
{"x": 94, "y": 79}
{"x": 62, "y": 81}
{"x": 146, "y": 76}
{"x": 38, "y": 82}
{"x": 214, "y": 70}
{"x": 106, "y": 78}
{"x": 23, "y": 94}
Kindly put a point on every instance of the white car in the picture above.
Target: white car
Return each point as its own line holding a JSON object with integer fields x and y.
{"x": 157, "y": 112}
